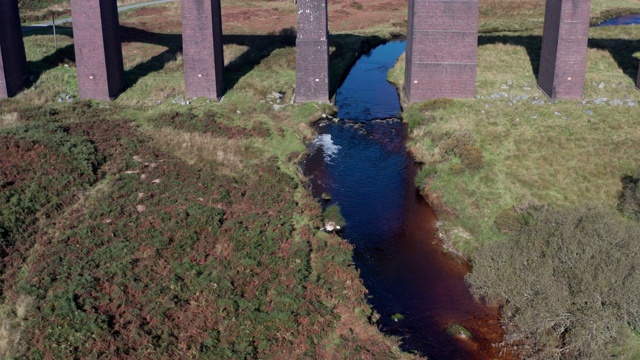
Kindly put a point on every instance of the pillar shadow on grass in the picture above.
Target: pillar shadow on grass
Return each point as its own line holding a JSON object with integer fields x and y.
{"x": 346, "y": 50}
{"x": 621, "y": 50}
{"x": 259, "y": 47}
{"x": 63, "y": 55}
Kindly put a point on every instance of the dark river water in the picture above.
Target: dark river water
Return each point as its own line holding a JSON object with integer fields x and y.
{"x": 622, "y": 20}
{"x": 362, "y": 162}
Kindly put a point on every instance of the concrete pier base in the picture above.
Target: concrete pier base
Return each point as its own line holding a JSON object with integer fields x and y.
{"x": 442, "y": 49}
{"x": 312, "y": 52}
{"x": 96, "y": 37}
{"x": 13, "y": 62}
{"x": 563, "y": 58}
{"x": 202, "y": 48}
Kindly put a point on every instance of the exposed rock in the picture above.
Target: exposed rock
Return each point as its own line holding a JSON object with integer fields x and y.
{"x": 330, "y": 226}
{"x": 616, "y": 101}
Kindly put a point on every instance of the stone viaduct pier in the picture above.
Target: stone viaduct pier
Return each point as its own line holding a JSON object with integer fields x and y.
{"x": 441, "y": 61}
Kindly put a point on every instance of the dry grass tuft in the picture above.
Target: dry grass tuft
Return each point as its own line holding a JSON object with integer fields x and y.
{"x": 9, "y": 120}
{"x": 228, "y": 155}
{"x": 232, "y": 52}
{"x": 12, "y": 320}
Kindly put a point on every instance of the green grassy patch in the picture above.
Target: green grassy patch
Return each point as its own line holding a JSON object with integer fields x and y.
{"x": 534, "y": 151}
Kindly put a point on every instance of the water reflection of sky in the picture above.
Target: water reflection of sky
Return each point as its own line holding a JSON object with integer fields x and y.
{"x": 622, "y": 20}
{"x": 365, "y": 93}
{"x": 371, "y": 184}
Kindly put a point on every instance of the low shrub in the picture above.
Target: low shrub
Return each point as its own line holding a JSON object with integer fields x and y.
{"x": 568, "y": 282}
{"x": 42, "y": 168}
{"x": 471, "y": 157}
{"x": 333, "y": 214}
{"x": 629, "y": 199}
{"x": 424, "y": 173}
{"x": 452, "y": 143}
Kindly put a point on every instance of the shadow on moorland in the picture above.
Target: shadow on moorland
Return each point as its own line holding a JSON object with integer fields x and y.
{"x": 259, "y": 47}
{"x": 620, "y": 49}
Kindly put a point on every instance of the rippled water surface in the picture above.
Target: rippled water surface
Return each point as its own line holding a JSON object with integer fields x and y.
{"x": 362, "y": 162}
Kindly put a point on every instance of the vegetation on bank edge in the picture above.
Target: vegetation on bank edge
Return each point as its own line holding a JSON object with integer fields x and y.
{"x": 568, "y": 284}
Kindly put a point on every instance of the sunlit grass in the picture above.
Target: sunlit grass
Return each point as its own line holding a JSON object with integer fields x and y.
{"x": 564, "y": 152}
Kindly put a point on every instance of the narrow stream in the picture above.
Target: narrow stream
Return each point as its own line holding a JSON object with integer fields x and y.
{"x": 362, "y": 162}
{"x": 632, "y": 19}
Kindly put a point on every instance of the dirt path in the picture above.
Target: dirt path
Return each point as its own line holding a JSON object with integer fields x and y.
{"x": 68, "y": 19}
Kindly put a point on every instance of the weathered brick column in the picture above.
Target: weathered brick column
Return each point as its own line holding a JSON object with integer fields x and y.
{"x": 96, "y": 39}
{"x": 13, "y": 62}
{"x": 563, "y": 58}
{"x": 202, "y": 48}
{"x": 442, "y": 49}
{"x": 312, "y": 52}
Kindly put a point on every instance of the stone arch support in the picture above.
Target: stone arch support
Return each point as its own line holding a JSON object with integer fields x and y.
{"x": 442, "y": 49}
{"x": 202, "y": 48}
{"x": 312, "y": 52}
{"x": 563, "y": 58}
{"x": 96, "y": 37}
{"x": 13, "y": 62}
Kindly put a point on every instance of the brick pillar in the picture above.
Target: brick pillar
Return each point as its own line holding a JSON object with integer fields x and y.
{"x": 13, "y": 62}
{"x": 563, "y": 59}
{"x": 96, "y": 38}
{"x": 442, "y": 49}
{"x": 202, "y": 48}
{"x": 312, "y": 52}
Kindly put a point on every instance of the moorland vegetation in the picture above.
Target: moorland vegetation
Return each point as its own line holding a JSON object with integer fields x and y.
{"x": 158, "y": 226}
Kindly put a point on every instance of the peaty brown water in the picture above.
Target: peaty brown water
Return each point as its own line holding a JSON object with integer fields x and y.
{"x": 418, "y": 290}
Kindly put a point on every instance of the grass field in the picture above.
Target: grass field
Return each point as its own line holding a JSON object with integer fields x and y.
{"x": 158, "y": 226}
{"x": 535, "y": 151}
